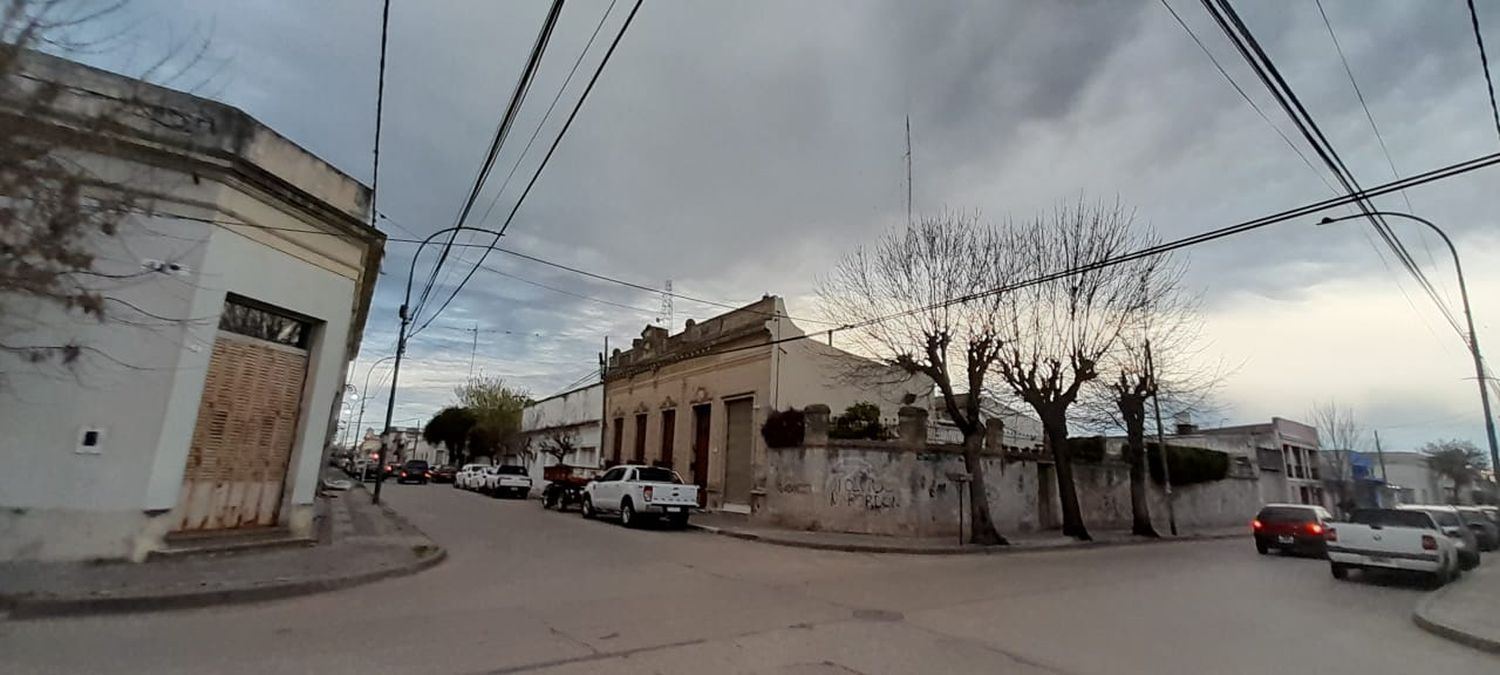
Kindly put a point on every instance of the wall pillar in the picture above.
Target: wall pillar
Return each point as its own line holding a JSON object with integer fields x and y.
{"x": 815, "y": 425}
{"x": 912, "y": 426}
{"x": 994, "y": 436}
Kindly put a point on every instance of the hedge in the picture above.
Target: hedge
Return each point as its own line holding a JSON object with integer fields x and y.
{"x": 1189, "y": 465}
{"x": 784, "y": 428}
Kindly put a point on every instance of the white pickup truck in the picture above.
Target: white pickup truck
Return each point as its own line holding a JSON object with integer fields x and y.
{"x": 507, "y": 481}
{"x": 639, "y": 492}
{"x": 1394, "y": 539}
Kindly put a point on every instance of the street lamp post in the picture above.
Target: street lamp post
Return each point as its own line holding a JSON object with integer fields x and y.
{"x": 344, "y": 438}
{"x": 360, "y": 425}
{"x": 401, "y": 337}
{"x": 1463, "y": 291}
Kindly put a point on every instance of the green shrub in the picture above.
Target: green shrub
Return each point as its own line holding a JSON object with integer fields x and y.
{"x": 784, "y": 428}
{"x": 1189, "y": 465}
{"x": 859, "y": 421}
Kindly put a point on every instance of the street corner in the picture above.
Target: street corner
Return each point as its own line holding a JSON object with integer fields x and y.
{"x": 1464, "y": 611}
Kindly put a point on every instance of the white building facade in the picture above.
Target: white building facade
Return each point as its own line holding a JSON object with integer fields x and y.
{"x": 573, "y": 417}
{"x": 203, "y": 402}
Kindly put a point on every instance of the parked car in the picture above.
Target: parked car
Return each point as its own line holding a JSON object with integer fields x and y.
{"x": 508, "y": 481}
{"x": 392, "y": 467}
{"x": 638, "y": 492}
{"x": 365, "y": 470}
{"x": 414, "y": 471}
{"x": 1392, "y": 539}
{"x": 1451, "y": 524}
{"x": 1486, "y": 531}
{"x": 1290, "y": 527}
{"x": 444, "y": 474}
{"x": 471, "y": 477}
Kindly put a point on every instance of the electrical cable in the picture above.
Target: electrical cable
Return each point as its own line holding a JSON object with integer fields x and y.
{"x": 1484, "y": 60}
{"x": 545, "y": 160}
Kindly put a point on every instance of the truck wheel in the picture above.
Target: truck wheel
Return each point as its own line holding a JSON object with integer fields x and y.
{"x": 549, "y": 499}
{"x": 627, "y": 514}
{"x": 1261, "y": 548}
{"x": 1339, "y": 570}
{"x": 588, "y": 508}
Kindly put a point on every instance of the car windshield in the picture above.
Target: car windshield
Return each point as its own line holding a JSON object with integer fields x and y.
{"x": 1392, "y": 518}
{"x": 417, "y": 464}
{"x": 1285, "y": 514}
{"x": 653, "y": 474}
{"x": 1445, "y": 518}
{"x": 512, "y": 470}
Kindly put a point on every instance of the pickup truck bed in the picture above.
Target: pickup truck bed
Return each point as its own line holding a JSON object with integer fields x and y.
{"x": 1394, "y": 540}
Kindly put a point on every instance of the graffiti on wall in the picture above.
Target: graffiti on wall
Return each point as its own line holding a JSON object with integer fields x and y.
{"x": 853, "y": 483}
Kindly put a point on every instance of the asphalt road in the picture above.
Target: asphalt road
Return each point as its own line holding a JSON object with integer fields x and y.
{"x": 528, "y": 590}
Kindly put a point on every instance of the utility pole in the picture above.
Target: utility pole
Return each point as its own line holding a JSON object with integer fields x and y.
{"x": 1473, "y": 337}
{"x": 1380, "y": 454}
{"x": 1161, "y": 443}
{"x": 473, "y": 350}
{"x": 908, "y": 171}
{"x": 603, "y": 398}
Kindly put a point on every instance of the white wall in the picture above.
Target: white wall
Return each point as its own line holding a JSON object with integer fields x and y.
{"x": 577, "y": 413}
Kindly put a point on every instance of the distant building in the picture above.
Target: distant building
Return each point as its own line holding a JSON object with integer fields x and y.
{"x": 572, "y": 416}
{"x": 1022, "y": 430}
{"x": 206, "y": 399}
{"x": 696, "y": 400}
{"x": 409, "y": 444}
{"x": 1413, "y": 481}
{"x": 1283, "y": 454}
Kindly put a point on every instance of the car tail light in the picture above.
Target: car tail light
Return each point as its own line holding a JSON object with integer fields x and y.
{"x": 1314, "y": 528}
{"x": 1256, "y": 524}
{"x": 1331, "y": 534}
{"x": 646, "y": 492}
{"x": 1429, "y": 542}
{"x": 429, "y": 474}
{"x": 403, "y": 474}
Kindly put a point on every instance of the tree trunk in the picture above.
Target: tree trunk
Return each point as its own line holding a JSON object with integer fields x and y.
{"x": 981, "y": 526}
{"x": 1056, "y": 427}
{"x": 1133, "y": 410}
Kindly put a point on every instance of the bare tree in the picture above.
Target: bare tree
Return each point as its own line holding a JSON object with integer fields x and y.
{"x": 1057, "y": 332}
{"x": 1155, "y": 356}
{"x": 897, "y": 296}
{"x": 54, "y": 207}
{"x": 559, "y": 444}
{"x": 1339, "y": 436}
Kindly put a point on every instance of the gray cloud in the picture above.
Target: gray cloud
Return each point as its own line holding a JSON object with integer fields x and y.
{"x": 737, "y": 148}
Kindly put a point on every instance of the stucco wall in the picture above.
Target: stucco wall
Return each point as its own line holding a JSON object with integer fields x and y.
{"x": 889, "y": 490}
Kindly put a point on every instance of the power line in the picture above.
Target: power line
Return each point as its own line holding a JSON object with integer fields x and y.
{"x": 1239, "y": 34}
{"x": 1441, "y": 173}
{"x": 545, "y": 160}
{"x": 1484, "y": 60}
{"x": 385, "y": 31}
{"x": 1246, "y": 97}
{"x": 612, "y": 280}
{"x": 1361, "y": 96}
{"x": 523, "y": 85}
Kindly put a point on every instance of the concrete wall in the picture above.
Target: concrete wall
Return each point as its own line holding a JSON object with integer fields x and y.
{"x": 901, "y": 488}
{"x": 575, "y": 413}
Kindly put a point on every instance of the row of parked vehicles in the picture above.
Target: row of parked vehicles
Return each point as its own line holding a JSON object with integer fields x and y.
{"x": 635, "y": 493}
{"x": 496, "y": 481}
{"x": 1436, "y": 541}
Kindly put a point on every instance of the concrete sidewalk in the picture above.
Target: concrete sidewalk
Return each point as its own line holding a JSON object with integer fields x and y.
{"x": 1465, "y": 611}
{"x": 739, "y": 527}
{"x": 359, "y": 543}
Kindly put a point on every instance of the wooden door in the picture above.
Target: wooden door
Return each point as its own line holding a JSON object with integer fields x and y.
{"x": 243, "y": 438}
{"x": 640, "y": 439}
{"x": 738, "y": 444}
{"x": 668, "y": 436}
{"x": 702, "y": 422}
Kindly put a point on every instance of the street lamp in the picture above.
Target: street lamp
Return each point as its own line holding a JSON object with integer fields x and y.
{"x": 360, "y": 425}
{"x": 401, "y": 336}
{"x": 344, "y": 438}
{"x": 1463, "y": 290}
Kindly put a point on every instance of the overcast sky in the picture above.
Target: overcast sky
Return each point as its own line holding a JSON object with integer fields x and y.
{"x": 738, "y": 148}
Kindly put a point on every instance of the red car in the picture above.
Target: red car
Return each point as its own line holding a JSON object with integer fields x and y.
{"x": 1298, "y": 528}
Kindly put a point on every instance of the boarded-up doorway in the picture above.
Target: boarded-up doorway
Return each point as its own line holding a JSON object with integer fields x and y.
{"x": 1048, "y": 505}
{"x": 247, "y": 422}
{"x": 738, "y": 441}
{"x": 702, "y": 422}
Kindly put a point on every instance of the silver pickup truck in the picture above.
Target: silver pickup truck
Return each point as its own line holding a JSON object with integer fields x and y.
{"x": 1393, "y": 539}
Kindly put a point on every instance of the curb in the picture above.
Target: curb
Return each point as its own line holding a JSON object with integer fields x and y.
{"x": 1421, "y": 616}
{"x": 967, "y": 550}
{"x": 36, "y": 608}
